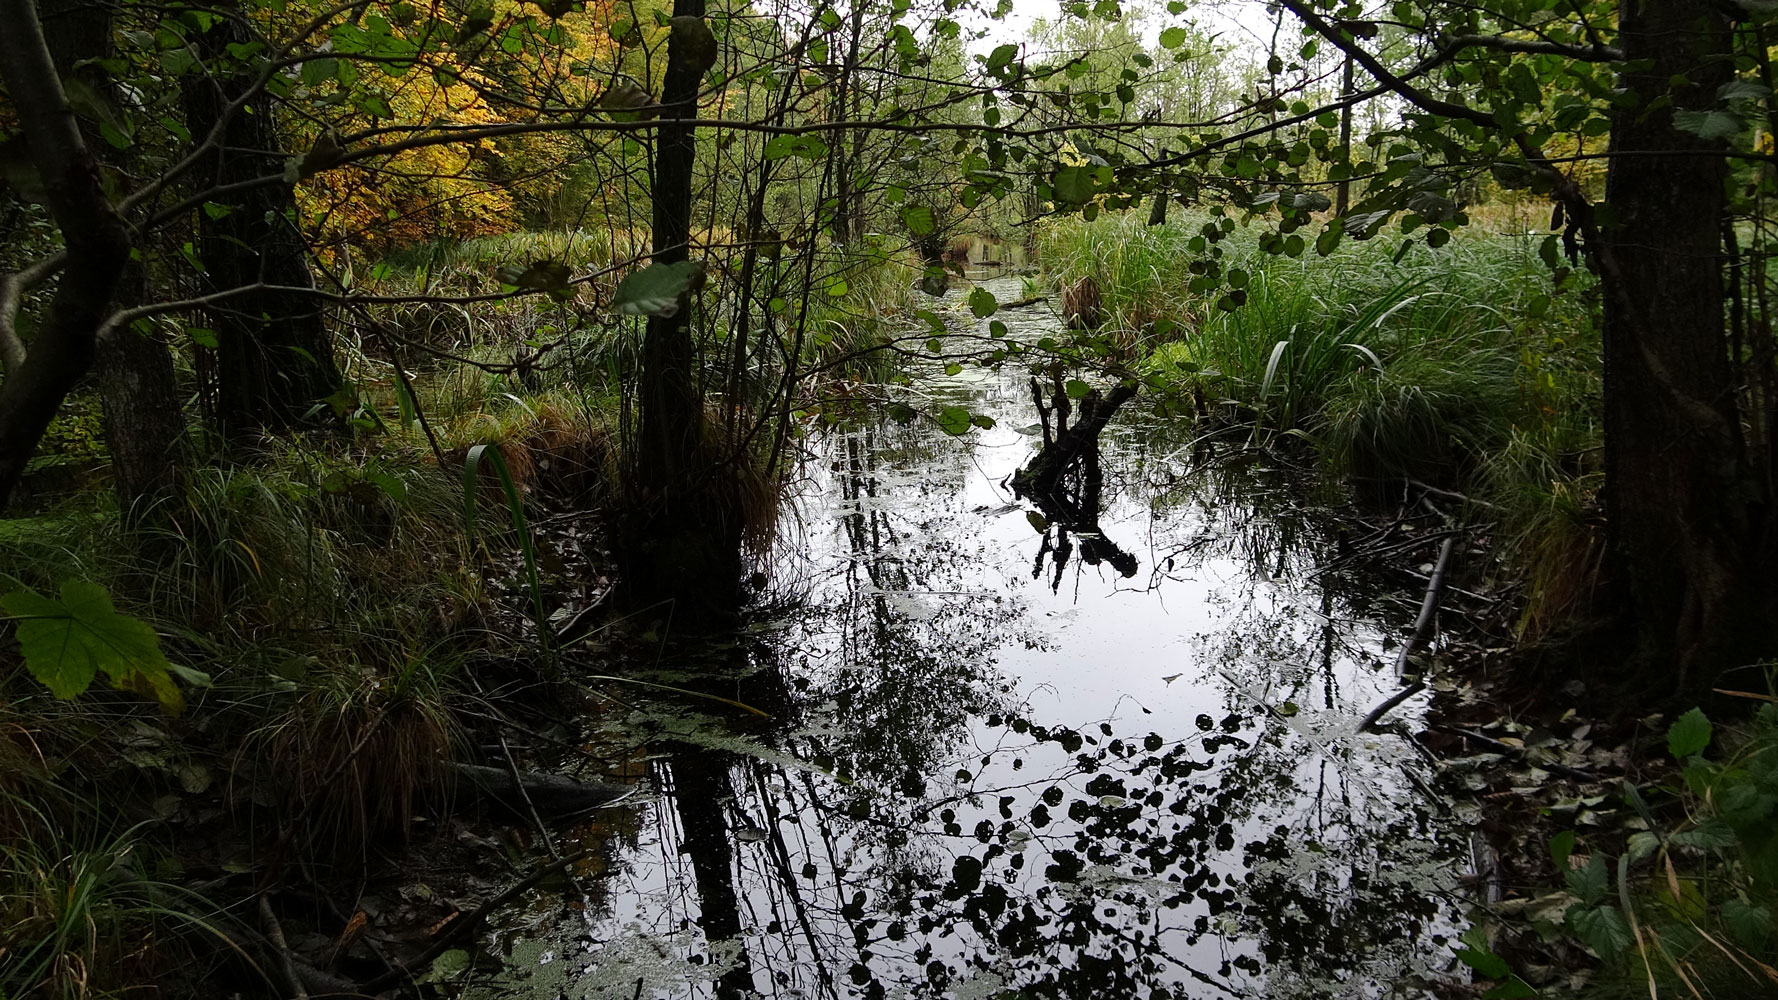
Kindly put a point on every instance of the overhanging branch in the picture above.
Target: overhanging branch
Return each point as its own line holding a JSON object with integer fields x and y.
{"x": 1500, "y": 43}
{"x": 12, "y": 290}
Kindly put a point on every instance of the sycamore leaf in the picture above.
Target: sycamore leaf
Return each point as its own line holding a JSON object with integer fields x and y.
{"x": 68, "y": 642}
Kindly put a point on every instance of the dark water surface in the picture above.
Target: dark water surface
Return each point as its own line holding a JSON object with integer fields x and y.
{"x": 1006, "y": 763}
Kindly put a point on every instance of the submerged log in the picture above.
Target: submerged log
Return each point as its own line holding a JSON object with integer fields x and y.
{"x": 1069, "y": 443}
{"x": 552, "y": 794}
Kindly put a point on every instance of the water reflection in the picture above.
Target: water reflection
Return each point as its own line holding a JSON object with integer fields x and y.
{"x": 980, "y": 782}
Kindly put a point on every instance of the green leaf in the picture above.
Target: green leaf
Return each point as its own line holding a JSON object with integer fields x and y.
{"x": 316, "y": 71}
{"x": 1561, "y": 846}
{"x": 1740, "y": 89}
{"x": 1750, "y": 925}
{"x": 1363, "y": 225}
{"x": 1311, "y": 201}
{"x": 966, "y": 872}
{"x": 68, "y": 642}
{"x": 1709, "y": 124}
{"x": 1172, "y": 38}
{"x": 954, "y": 420}
{"x": 1689, "y": 734}
{"x": 1001, "y": 58}
{"x": 919, "y": 220}
{"x": 543, "y": 276}
{"x": 656, "y": 290}
{"x": 1601, "y": 928}
{"x": 982, "y": 303}
{"x": 1486, "y": 964}
{"x": 448, "y": 966}
{"x": 1710, "y": 835}
{"x": 1038, "y": 522}
{"x": 1589, "y": 882}
{"x": 1075, "y": 185}
{"x": 1076, "y": 388}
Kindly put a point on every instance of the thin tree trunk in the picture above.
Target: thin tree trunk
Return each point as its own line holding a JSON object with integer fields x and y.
{"x": 682, "y": 547}
{"x": 1689, "y": 539}
{"x": 275, "y": 362}
{"x": 138, "y": 387}
{"x": 96, "y": 238}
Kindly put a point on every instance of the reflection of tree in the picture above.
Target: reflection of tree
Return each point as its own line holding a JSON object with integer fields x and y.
{"x": 903, "y": 651}
{"x": 868, "y": 849}
{"x": 701, "y": 787}
{"x": 1064, "y": 479}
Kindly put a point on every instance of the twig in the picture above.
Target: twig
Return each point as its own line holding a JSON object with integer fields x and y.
{"x": 1428, "y": 606}
{"x": 464, "y": 925}
{"x": 12, "y": 291}
{"x": 1427, "y": 790}
{"x": 1381, "y": 710}
{"x": 274, "y": 933}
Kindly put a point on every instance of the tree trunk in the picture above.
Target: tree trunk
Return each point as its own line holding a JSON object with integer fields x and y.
{"x": 138, "y": 387}
{"x": 96, "y": 238}
{"x": 682, "y": 547}
{"x": 1690, "y": 545}
{"x": 274, "y": 360}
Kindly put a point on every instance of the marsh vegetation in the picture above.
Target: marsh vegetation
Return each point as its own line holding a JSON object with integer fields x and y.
{"x": 864, "y": 499}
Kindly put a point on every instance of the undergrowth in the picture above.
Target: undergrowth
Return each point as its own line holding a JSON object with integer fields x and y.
{"x": 1467, "y": 368}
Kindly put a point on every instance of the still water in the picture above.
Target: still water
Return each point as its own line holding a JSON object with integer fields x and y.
{"x": 1014, "y": 758}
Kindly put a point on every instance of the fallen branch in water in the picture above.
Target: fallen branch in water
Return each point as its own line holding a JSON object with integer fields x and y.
{"x": 1435, "y": 589}
{"x": 1381, "y": 710}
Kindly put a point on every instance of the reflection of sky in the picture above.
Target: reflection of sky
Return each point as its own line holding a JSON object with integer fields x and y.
{"x": 923, "y": 623}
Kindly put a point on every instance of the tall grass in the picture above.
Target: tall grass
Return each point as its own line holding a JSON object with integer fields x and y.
{"x": 1142, "y": 271}
{"x": 1461, "y": 367}
{"x": 81, "y": 917}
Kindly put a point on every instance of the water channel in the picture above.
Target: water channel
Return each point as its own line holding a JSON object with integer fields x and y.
{"x": 1010, "y": 758}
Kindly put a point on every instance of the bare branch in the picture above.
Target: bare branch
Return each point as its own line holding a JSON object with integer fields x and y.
{"x": 12, "y": 290}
